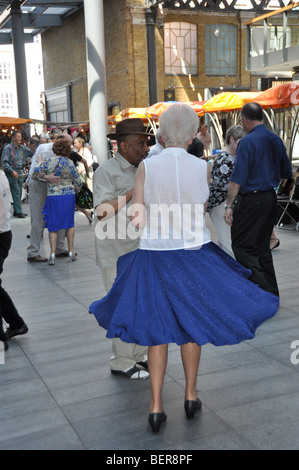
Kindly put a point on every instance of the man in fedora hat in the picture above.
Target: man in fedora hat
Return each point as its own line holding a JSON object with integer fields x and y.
{"x": 113, "y": 184}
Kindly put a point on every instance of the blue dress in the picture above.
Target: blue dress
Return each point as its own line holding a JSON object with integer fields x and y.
{"x": 178, "y": 295}
{"x": 59, "y": 208}
{"x": 202, "y": 296}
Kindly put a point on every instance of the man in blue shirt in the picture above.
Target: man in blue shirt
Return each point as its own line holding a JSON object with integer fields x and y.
{"x": 260, "y": 164}
{"x": 13, "y": 159}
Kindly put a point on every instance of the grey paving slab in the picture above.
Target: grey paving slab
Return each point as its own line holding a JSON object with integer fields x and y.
{"x": 57, "y": 391}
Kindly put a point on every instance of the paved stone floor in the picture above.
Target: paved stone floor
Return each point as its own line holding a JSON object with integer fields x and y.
{"x": 57, "y": 391}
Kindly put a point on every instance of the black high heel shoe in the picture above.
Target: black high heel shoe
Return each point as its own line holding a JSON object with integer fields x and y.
{"x": 155, "y": 420}
{"x": 4, "y": 338}
{"x": 191, "y": 407}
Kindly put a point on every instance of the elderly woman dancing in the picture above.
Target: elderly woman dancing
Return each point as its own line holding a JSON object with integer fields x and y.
{"x": 59, "y": 208}
{"x": 165, "y": 291}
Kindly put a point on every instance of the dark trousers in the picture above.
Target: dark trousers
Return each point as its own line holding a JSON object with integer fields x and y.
{"x": 253, "y": 222}
{"x": 16, "y": 185}
{"x": 8, "y": 310}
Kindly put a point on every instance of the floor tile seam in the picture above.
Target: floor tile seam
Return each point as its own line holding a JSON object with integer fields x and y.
{"x": 227, "y": 388}
{"x": 57, "y": 284}
{"x": 229, "y": 368}
{"x": 269, "y": 355}
{"x": 235, "y": 431}
{"x": 248, "y": 426}
{"x": 52, "y": 396}
{"x": 243, "y": 383}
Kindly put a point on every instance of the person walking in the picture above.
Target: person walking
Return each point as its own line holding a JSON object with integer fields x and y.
{"x": 13, "y": 158}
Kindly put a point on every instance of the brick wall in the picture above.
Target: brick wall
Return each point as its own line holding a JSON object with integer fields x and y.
{"x": 64, "y": 50}
{"x": 64, "y": 55}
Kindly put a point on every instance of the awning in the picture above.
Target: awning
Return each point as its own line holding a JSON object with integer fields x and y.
{"x": 130, "y": 113}
{"x": 228, "y": 101}
{"x": 157, "y": 109}
{"x": 280, "y": 96}
{"x": 10, "y": 121}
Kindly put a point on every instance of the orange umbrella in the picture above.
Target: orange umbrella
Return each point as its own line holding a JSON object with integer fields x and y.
{"x": 280, "y": 96}
{"x": 10, "y": 121}
{"x": 129, "y": 113}
{"x": 157, "y": 109}
{"x": 228, "y": 101}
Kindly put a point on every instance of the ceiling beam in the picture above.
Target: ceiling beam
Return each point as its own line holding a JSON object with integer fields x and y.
{"x": 44, "y": 21}
{"x": 213, "y": 5}
{"x": 6, "y": 38}
{"x": 47, "y": 3}
{"x": 271, "y": 13}
{"x": 6, "y": 13}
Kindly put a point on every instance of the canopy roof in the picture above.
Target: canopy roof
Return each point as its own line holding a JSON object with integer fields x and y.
{"x": 228, "y": 101}
{"x": 280, "y": 96}
{"x": 157, "y": 109}
{"x": 11, "y": 121}
{"x": 131, "y": 113}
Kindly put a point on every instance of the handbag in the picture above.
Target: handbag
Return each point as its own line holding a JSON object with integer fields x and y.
{"x": 84, "y": 198}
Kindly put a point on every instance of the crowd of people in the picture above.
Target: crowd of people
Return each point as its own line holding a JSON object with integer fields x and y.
{"x": 158, "y": 263}
{"x": 49, "y": 170}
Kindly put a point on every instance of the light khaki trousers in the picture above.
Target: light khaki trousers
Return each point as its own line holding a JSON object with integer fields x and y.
{"x": 124, "y": 355}
{"x": 37, "y": 199}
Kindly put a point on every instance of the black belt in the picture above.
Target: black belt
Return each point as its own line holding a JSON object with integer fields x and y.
{"x": 256, "y": 192}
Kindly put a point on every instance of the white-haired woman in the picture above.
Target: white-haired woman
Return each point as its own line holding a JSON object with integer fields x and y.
{"x": 165, "y": 291}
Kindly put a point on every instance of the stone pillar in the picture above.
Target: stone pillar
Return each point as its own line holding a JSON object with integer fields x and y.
{"x": 150, "y": 14}
{"x": 96, "y": 76}
{"x": 20, "y": 60}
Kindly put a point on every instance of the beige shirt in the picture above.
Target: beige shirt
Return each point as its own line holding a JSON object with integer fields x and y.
{"x": 111, "y": 180}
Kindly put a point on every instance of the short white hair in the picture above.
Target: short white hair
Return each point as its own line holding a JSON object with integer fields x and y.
{"x": 178, "y": 125}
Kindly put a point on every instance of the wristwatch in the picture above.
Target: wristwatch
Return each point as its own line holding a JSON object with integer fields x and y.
{"x": 228, "y": 207}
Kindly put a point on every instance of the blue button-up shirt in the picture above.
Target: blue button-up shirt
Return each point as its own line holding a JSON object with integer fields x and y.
{"x": 13, "y": 158}
{"x": 261, "y": 161}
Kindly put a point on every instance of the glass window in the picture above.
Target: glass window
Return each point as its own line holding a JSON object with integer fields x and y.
{"x": 221, "y": 49}
{"x": 5, "y": 71}
{"x": 180, "y": 48}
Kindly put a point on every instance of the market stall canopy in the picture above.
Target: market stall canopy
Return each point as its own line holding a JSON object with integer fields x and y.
{"x": 10, "y": 122}
{"x": 228, "y": 101}
{"x": 157, "y": 109}
{"x": 130, "y": 113}
{"x": 280, "y": 96}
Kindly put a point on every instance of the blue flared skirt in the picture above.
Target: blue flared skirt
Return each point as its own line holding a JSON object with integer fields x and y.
{"x": 59, "y": 212}
{"x": 180, "y": 296}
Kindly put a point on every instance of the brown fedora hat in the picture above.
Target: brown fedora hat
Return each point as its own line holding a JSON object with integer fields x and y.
{"x": 129, "y": 126}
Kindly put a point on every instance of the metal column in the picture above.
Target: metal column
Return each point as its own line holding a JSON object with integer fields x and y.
{"x": 20, "y": 60}
{"x": 150, "y": 15}
{"x": 96, "y": 74}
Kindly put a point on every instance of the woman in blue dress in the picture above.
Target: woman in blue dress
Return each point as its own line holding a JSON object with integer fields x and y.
{"x": 165, "y": 292}
{"x": 59, "y": 209}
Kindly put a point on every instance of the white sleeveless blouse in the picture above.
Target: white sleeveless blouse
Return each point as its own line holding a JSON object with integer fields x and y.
{"x": 175, "y": 191}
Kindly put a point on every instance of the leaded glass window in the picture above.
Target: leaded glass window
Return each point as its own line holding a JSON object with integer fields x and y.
{"x": 221, "y": 49}
{"x": 180, "y": 48}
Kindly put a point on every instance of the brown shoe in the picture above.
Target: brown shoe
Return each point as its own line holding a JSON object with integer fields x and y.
{"x": 37, "y": 259}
